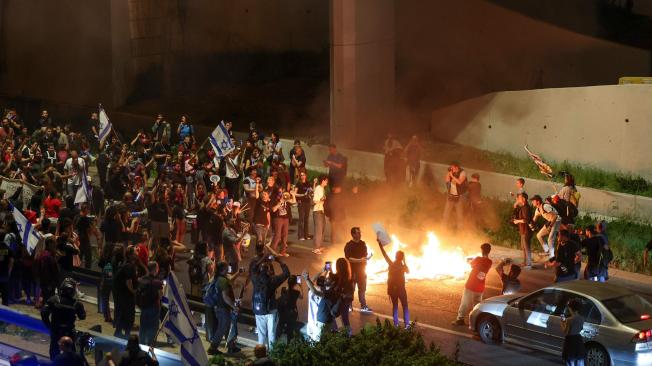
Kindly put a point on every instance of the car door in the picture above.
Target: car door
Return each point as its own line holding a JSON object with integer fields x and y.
{"x": 592, "y": 318}
{"x": 532, "y": 308}
{"x": 540, "y": 313}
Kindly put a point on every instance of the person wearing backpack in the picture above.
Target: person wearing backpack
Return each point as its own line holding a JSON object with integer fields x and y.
{"x": 148, "y": 299}
{"x": 264, "y": 299}
{"x": 200, "y": 268}
{"x": 219, "y": 296}
{"x": 551, "y": 228}
{"x": 108, "y": 260}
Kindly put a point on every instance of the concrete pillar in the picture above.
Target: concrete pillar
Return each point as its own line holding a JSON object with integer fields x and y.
{"x": 362, "y": 71}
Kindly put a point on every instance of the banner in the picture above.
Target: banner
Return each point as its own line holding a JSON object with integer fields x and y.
{"x": 10, "y": 187}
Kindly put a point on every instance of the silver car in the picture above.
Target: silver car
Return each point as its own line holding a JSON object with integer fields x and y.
{"x": 617, "y": 327}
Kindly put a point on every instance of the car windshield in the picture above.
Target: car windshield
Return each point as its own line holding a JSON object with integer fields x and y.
{"x": 629, "y": 308}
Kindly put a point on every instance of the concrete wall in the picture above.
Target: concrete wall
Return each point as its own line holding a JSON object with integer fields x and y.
{"x": 66, "y": 51}
{"x": 226, "y": 26}
{"x": 449, "y": 51}
{"x": 496, "y": 185}
{"x": 608, "y": 127}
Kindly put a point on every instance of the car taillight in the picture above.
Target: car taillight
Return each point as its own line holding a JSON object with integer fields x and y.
{"x": 645, "y": 316}
{"x": 642, "y": 336}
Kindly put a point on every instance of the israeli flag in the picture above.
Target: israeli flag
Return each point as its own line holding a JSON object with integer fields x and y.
{"x": 180, "y": 325}
{"x": 221, "y": 141}
{"x": 84, "y": 191}
{"x": 29, "y": 235}
{"x": 105, "y": 125}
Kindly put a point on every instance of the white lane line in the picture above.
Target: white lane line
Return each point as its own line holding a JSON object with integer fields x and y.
{"x": 424, "y": 325}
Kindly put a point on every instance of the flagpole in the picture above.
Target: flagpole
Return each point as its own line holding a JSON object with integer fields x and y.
{"x": 165, "y": 319}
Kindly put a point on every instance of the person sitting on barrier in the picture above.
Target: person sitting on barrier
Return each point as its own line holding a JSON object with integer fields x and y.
{"x": 60, "y": 312}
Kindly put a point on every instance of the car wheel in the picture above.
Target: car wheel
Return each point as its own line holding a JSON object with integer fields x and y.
{"x": 489, "y": 330}
{"x": 596, "y": 355}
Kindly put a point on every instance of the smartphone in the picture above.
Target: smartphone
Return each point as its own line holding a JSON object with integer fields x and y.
{"x": 165, "y": 283}
{"x": 328, "y": 266}
{"x": 298, "y": 279}
{"x": 230, "y": 269}
{"x": 271, "y": 257}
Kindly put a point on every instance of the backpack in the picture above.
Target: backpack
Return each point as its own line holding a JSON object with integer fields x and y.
{"x": 260, "y": 300}
{"x": 195, "y": 271}
{"x": 212, "y": 293}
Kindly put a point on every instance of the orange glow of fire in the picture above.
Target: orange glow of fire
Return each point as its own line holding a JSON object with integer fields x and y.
{"x": 430, "y": 261}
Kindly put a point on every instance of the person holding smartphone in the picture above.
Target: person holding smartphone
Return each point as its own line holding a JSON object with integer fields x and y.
{"x": 287, "y": 308}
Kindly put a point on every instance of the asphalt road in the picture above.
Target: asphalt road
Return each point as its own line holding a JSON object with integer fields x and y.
{"x": 433, "y": 304}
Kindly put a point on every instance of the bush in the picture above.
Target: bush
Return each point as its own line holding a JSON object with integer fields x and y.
{"x": 381, "y": 344}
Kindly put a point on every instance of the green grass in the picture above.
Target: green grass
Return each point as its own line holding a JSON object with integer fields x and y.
{"x": 585, "y": 176}
{"x": 626, "y": 238}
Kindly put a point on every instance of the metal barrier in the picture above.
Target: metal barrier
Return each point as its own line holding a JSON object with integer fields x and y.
{"x": 103, "y": 343}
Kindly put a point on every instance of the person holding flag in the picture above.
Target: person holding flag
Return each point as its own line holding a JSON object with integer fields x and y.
{"x": 180, "y": 325}
{"x": 105, "y": 126}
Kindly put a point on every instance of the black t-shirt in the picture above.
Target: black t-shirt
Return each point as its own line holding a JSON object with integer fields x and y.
{"x": 158, "y": 212}
{"x": 5, "y": 257}
{"x": 566, "y": 257}
{"x": 125, "y": 273}
{"x": 283, "y": 212}
{"x": 304, "y": 188}
{"x": 83, "y": 225}
{"x": 356, "y": 250}
{"x": 112, "y": 230}
{"x": 68, "y": 359}
{"x": 593, "y": 247}
{"x": 260, "y": 213}
{"x": 69, "y": 250}
{"x": 151, "y": 287}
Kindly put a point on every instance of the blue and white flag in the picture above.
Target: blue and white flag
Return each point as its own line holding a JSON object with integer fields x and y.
{"x": 30, "y": 237}
{"x": 221, "y": 140}
{"x": 84, "y": 191}
{"x": 180, "y": 325}
{"x": 105, "y": 125}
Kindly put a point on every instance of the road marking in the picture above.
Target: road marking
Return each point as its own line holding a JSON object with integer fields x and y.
{"x": 424, "y": 325}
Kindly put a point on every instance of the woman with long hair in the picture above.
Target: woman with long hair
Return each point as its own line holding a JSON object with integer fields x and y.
{"x": 396, "y": 284}
{"x": 344, "y": 282}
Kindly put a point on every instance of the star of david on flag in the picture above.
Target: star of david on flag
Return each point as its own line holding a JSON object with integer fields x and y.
{"x": 180, "y": 325}
{"x": 221, "y": 140}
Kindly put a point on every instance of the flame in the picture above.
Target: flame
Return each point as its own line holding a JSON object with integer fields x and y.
{"x": 432, "y": 261}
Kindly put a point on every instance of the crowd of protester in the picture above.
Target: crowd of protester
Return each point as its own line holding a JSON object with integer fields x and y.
{"x": 154, "y": 190}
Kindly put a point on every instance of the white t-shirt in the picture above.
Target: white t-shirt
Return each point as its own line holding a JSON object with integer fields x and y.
{"x": 316, "y": 199}
{"x": 453, "y": 190}
{"x": 76, "y": 178}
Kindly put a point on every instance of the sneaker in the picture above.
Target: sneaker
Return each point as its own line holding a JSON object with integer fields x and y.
{"x": 458, "y": 322}
{"x": 233, "y": 350}
{"x": 213, "y": 351}
{"x": 317, "y": 251}
{"x": 302, "y": 239}
{"x": 284, "y": 254}
{"x": 366, "y": 309}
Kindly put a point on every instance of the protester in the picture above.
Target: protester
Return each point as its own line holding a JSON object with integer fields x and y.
{"x": 337, "y": 166}
{"x": 475, "y": 200}
{"x": 148, "y": 296}
{"x": 550, "y": 229}
{"x": 510, "y": 281}
{"x": 124, "y": 295}
{"x": 68, "y": 356}
{"x": 573, "y": 352}
{"x": 318, "y": 215}
{"x": 474, "y": 287}
{"x": 134, "y": 356}
{"x": 356, "y": 253}
{"x": 413, "y": 151}
{"x": 263, "y": 300}
{"x": 396, "y": 284}
{"x": 523, "y": 219}
{"x": 288, "y": 314}
{"x": 219, "y": 295}
{"x": 303, "y": 196}
{"x": 568, "y": 254}
{"x": 6, "y": 266}
{"x": 456, "y": 199}
{"x": 646, "y": 253}
{"x": 593, "y": 247}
